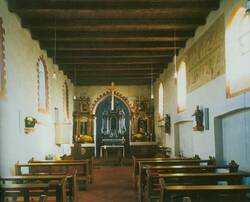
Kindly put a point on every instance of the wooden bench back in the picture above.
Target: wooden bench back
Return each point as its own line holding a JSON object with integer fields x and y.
{"x": 166, "y": 162}
{"x": 14, "y": 187}
{"x": 206, "y": 193}
{"x": 89, "y": 161}
{"x": 53, "y": 168}
{"x": 144, "y": 169}
{"x": 69, "y": 180}
{"x": 153, "y": 188}
{"x": 66, "y": 168}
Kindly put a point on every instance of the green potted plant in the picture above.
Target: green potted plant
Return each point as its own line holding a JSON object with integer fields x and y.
{"x": 30, "y": 123}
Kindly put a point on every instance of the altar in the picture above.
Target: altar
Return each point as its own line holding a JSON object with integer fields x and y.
{"x": 105, "y": 149}
{"x": 113, "y": 122}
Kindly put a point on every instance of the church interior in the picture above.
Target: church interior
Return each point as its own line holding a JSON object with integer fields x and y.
{"x": 125, "y": 100}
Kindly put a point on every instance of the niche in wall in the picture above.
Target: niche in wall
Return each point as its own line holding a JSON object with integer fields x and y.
{"x": 183, "y": 132}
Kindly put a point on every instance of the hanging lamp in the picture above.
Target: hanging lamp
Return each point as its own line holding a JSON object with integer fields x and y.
{"x": 74, "y": 81}
{"x": 175, "y": 56}
{"x": 54, "y": 76}
{"x": 152, "y": 83}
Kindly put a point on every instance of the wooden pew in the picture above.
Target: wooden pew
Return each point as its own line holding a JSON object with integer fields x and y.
{"x": 152, "y": 158}
{"x": 25, "y": 189}
{"x": 137, "y": 163}
{"x": 232, "y": 167}
{"x": 206, "y": 193}
{"x": 172, "y": 162}
{"x": 66, "y": 168}
{"x": 153, "y": 187}
{"x": 89, "y": 161}
{"x": 66, "y": 184}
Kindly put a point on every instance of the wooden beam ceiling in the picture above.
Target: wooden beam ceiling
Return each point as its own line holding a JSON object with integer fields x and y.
{"x": 125, "y": 41}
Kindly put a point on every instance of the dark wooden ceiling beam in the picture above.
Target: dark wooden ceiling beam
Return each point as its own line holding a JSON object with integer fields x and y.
{"x": 112, "y": 60}
{"x": 52, "y": 23}
{"x": 105, "y": 28}
{"x": 110, "y": 57}
{"x": 79, "y": 5}
{"x": 76, "y": 63}
{"x": 111, "y": 73}
{"x": 108, "y": 82}
{"x": 77, "y": 45}
{"x": 129, "y": 53}
{"x": 171, "y": 13}
{"x": 117, "y": 39}
{"x": 112, "y": 67}
{"x": 115, "y": 79}
{"x": 103, "y": 77}
{"x": 50, "y": 35}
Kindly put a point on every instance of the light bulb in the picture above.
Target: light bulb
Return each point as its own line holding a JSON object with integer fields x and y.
{"x": 54, "y": 76}
{"x": 152, "y": 92}
{"x": 175, "y": 75}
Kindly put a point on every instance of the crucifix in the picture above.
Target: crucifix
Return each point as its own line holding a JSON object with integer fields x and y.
{"x": 113, "y": 88}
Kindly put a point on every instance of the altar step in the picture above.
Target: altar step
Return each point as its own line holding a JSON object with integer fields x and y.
{"x": 112, "y": 162}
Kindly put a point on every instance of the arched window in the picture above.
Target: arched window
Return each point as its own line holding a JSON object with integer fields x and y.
{"x": 2, "y": 64}
{"x": 181, "y": 87}
{"x": 66, "y": 100}
{"x": 160, "y": 107}
{"x": 43, "y": 100}
{"x": 238, "y": 52}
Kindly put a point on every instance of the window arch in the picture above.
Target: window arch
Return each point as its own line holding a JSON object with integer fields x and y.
{"x": 238, "y": 52}
{"x": 66, "y": 100}
{"x": 43, "y": 93}
{"x": 160, "y": 102}
{"x": 181, "y": 87}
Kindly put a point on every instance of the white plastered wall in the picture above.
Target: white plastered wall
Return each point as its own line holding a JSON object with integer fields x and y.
{"x": 21, "y": 100}
{"x": 211, "y": 95}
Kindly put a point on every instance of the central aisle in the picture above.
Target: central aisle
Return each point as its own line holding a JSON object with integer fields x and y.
{"x": 111, "y": 184}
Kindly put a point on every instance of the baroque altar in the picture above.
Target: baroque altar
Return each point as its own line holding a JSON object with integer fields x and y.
{"x": 113, "y": 120}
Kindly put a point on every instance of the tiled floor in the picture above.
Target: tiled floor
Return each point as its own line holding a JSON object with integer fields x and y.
{"x": 111, "y": 184}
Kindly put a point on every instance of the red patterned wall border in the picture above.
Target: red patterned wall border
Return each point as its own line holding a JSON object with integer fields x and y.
{"x": 2, "y": 62}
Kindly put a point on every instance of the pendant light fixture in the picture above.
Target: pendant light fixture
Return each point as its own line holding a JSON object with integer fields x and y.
{"x": 54, "y": 76}
{"x": 175, "y": 56}
{"x": 152, "y": 83}
{"x": 74, "y": 81}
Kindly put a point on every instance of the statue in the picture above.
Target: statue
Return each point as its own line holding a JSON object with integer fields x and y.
{"x": 167, "y": 124}
{"x": 198, "y": 119}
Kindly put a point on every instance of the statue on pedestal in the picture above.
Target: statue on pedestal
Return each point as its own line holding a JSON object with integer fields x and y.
{"x": 198, "y": 119}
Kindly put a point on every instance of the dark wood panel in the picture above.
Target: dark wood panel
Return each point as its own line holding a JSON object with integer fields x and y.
{"x": 80, "y": 5}
{"x": 110, "y": 53}
{"x": 117, "y": 67}
{"x": 113, "y": 74}
{"x": 113, "y": 60}
{"x": 44, "y": 35}
{"x": 29, "y": 22}
{"x": 116, "y": 13}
